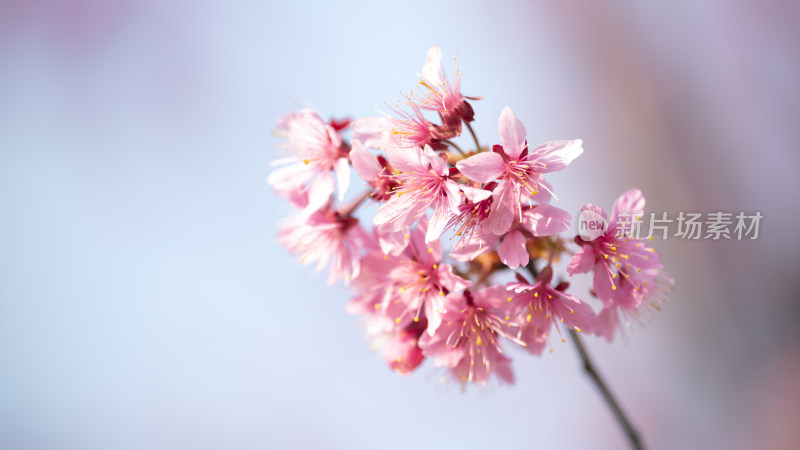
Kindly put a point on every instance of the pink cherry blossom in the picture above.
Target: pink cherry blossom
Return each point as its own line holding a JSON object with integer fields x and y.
{"x": 418, "y": 281}
{"x": 442, "y": 96}
{"x": 468, "y": 341}
{"x": 423, "y": 181}
{"x": 518, "y": 168}
{"x": 409, "y": 130}
{"x": 633, "y": 303}
{"x": 316, "y": 149}
{"x": 536, "y": 221}
{"x": 627, "y": 273}
{"x": 326, "y": 236}
{"x": 543, "y": 306}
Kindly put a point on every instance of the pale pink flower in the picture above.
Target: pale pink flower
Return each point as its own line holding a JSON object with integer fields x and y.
{"x": 633, "y": 302}
{"x": 468, "y": 341}
{"x": 372, "y": 284}
{"x": 408, "y": 131}
{"x": 423, "y": 180}
{"x": 536, "y": 221}
{"x": 539, "y": 306}
{"x": 316, "y": 149}
{"x": 471, "y": 213}
{"x": 326, "y": 236}
{"x": 418, "y": 281}
{"x": 627, "y": 273}
{"x": 518, "y": 168}
{"x": 440, "y": 95}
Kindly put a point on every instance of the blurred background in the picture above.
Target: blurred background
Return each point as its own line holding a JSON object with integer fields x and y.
{"x": 145, "y": 303}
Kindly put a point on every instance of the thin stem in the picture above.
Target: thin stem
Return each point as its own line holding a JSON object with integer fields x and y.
{"x": 591, "y": 370}
{"x": 455, "y": 146}
{"x": 474, "y": 137}
{"x": 588, "y": 366}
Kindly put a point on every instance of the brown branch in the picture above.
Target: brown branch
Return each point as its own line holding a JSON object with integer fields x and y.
{"x": 591, "y": 370}
{"x": 588, "y": 366}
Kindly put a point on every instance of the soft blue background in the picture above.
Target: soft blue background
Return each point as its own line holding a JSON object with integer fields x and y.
{"x": 145, "y": 304}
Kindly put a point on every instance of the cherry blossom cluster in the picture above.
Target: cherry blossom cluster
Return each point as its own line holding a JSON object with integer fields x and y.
{"x": 495, "y": 284}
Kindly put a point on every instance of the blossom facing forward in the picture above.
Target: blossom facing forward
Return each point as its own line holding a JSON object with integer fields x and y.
{"x": 316, "y": 150}
{"x": 627, "y": 273}
{"x": 468, "y": 341}
{"x": 423, "y": 180}
{"x": 519, "y": 170}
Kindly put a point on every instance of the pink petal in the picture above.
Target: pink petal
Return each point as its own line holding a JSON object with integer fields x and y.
{"x": 467, "y": 250}
{"x": 475, "y": 195}
{"x": 512, "y": 250}
{"x": 364, "y": 162}
{"x": 453, "y": 192}
{"x": 483, "y": 167}
{"x": 450, "y": 280}
{"x": 291, "y": 176}
{"x": 319, "y": 192}
{"x": 576, "y": 314}
{"x": 512, "y": 133}
{"x": 607, "y": 323}
{"x": 342, "y": 170}
{"x": 405, "y": 159}
{"x": 582, "y": 262}
{"x": 433, "y": 311}
{"x": 630, "y": 202}
{"x": 392, "y": 242}
{"x": 371, "y": 131}
{"x": 603, "y": 285}
{"x": 544, "y": 220}
{"x": 436, "y": 225}
{"x": 502, "y": 214}
{"x": 556, "y": 155}
{"x": 438, "y": 165}
{"x": 425, "y": 252}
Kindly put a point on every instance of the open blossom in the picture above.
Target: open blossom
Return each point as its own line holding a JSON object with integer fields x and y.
{"x": 518, "y": 168}
{"x": 627, "y": 273}
{"x": 423, "y": 180}
{"x": 316, "y": 149}
{"x": 539, "y": 306}
{"x": 468, "y": 341}
{"x": 417, "y": 283}
{"x": 471, "y": 213}
{"x": 440, "y": 95}
{"x": 536, "y": 221}
{"x": 409, "y": 130}
{"x": 327, "y": 236}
